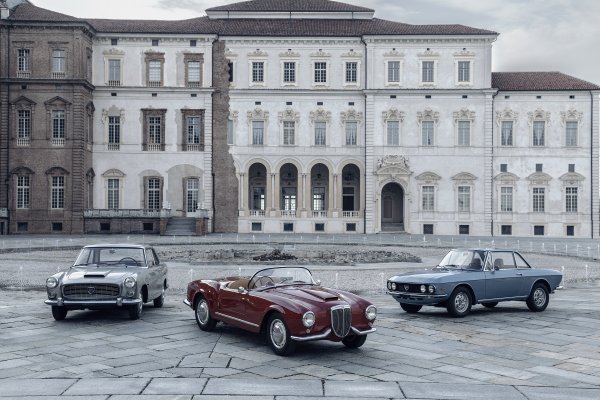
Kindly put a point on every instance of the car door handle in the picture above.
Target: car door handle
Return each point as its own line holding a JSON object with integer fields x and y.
{"x": 519, "y": 274}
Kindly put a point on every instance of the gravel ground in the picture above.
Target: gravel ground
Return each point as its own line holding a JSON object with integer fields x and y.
{"x": 360, "y": 268}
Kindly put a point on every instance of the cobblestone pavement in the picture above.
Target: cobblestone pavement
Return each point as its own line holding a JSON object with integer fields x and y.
{"x": 504, "y": 353}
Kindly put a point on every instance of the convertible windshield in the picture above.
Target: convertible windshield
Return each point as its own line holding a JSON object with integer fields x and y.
{"x": 280, "y": 276}
{"x": 121, "y": 256}
{"x": 463, "y": 259}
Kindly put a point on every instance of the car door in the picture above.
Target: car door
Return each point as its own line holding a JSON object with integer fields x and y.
{"x": 152, "y": 275}
{"x": 161, "y": 274}
{"x": 503, "y": 280}
{"x": 232, "y": 303}
{"x": 529, "y": 275}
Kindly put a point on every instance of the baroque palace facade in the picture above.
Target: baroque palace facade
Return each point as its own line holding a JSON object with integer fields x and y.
{"x": 281, "y": 116}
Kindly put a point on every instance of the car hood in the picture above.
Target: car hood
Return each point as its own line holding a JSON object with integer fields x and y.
{"x": 429, "y": 276}
{"x": 309, "y": 296}
{"x": 78, "y": 275}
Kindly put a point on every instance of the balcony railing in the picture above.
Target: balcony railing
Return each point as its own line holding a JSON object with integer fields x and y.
{"x": 58, "y": 75}
{"x": 23, "y": 74}
{"x": 193, "y": 84}
{"x": 257, "y": 213}
{"x": 194, "y": 147}
{"x": 114, "y": 83}
{"x": 125, "y": 213}
{"x": 113, "y": 146}
{"x": 319, "y": 214}
{"x": 288, "y": 213}
{"x": 350, "y": 214}
{"x": 154, "y": 83}
{"x": 23, "y": 142}
{"x": 58, "y": 142}
{"x": 155, "y": 147}
{"x": 3, "y": 213}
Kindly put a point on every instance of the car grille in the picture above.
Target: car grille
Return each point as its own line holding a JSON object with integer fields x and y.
{"x": 412, "y": 288}
{"x": 341, "y": 319}
{"x": 93, "y": 291}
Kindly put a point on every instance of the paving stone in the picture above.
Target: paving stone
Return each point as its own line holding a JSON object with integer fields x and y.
{"x": 359, "y": 389}
{"x": 440, "y": 391}
{"x": 175, "y": 386}
{"x": 108, "y": 386}
{"x": 264, "y": 387}
{"x": 557, "y": 393}
{"x": 34, "y": 387}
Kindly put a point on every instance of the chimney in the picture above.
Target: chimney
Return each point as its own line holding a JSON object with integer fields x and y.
{"x": 4, "y": 10}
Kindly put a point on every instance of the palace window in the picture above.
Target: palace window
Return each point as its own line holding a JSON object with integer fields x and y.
{"x": 192, "y": 194}
{"x": 351, "y": 133}
{"x": 539, "y": 199}
{"x": 58, "y": 192}
{"x": 320, "y": 72}
{"x": 258, "y": 71}
{"x": 23, "y": 191}
{"x": 58, "y": 127}
{"x": 427, "y": 132}
{"x": 506, "y": 199}
{"x": 393, "y": 71}
{"x": 428, "y": 198}
{"x": 58, "y": 63}
{"x": 464, "y": 133}
{"x": 114, "y": 133}
{"x": 351, "y": 72}
{"x": 539, "y": 133}
{"x": 318, "y": 199}
{"x": 154, "y": 130}
{"x": 571, "y": 199}
{"x": 23, "y": 63}
{"x": 464, "y": 71}
{"x": 427, "y": 71}
{"x": 113, "y": 194}
{"x": 153, "y": 193}
{"x": 193, "y": 138}
{"x": 506, "y": 133}
{"x": 393, "y": 133}
{"x": 114, "y": 72}
{"x": 193, "y": 74}
{"x": 289, "y": 133}
{"x": 464, "y": 198}
{"x": 571, "y": 130}
{"x": 289, "y": 72}
{"x": 320, "y": 133}
{"x": 24, "y": 127}
{"x": 258, "y": 132}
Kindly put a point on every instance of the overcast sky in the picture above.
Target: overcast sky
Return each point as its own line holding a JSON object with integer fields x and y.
{"x": 535, "y": 35}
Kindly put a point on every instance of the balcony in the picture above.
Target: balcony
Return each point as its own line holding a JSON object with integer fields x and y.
{"x": 113, "y": 147}
{"x": 126, "y": 213}
{"x": 193, "y": 85}
{"x": 154, "y": 84}
{"x": 23, "y": 142}
{"x": 59, "y": 75}
{"x": 154, "y": 147}
{"x": 288, "y": 213}
{"x": 114, "y": 83}
{"x": 58, "y": 142}
{"x": 350, "y": 214}
{"x": 194, "y": 147}
{"x": 319, "y": 214}
{"x": 257, "y": 213}
{"x": 23, "y": 74}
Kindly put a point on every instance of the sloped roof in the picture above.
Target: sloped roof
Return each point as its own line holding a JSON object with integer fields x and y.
{"x": 539, "y": 81}
{"x": 291, "y": 6}
{"x": 188, "y": 26}
{"x": 29, "y": 12}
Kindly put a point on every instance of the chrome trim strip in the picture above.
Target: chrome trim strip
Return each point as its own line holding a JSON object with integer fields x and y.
{"x": 318, "y": 336}
{"x": 362, "y": 333}
{"x": 418, "y": 295}
{"x": 117, "y": 302}
{"x": 187, "y": 303}
{"x": 237, "y": 319}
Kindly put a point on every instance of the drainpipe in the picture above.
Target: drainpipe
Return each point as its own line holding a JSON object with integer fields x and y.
{"x": 592, "y": 194}
{"x": 365, "y": 110}
{"x": 492, "y": 176}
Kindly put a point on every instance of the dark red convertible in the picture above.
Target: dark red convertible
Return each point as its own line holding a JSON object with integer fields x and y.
{"x": 286, "y": 305}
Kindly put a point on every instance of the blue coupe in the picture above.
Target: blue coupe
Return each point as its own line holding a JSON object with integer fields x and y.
{"x": 471, "y": 276}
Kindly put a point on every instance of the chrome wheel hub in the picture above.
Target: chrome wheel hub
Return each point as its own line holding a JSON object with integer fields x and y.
{"x": 539, "y": 297}
{"x": 278, "y": 333}
{"x": 202, "y": 312}
{"x": 461, "y": 302}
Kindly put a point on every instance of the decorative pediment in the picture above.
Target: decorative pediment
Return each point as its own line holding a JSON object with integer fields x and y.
{"x": 57, "y": 171}
{"x": 258, "y": 53}
{"x": 289, "y": 115}
{"x": 464, "y": 53}
{"x": 464, "y": 176}
{"x": 57, "y": 101}
{"x": 352, "y": 54}
{"x": 539, "y": 178}
{"x": 230, "y": 54}
{"x": 351, "y": 115}
{"x": 23, "y": 101}
{"x": 320, "y": 115}
{"x": 393, "y": 114}
{"x": 154, "y": 55}
{"x": 320, "y": 54}
{"x": 571, "y": 115}
{"x": 113, "y": 52}
{"x": 258, "y": 113}
{"x": 22, "y": 171}
{"x": 289, "y": 54}
{"x": 428, "y": 177}
{"x": 113, "y": 173}
{"x": 394, "y": 53}
{"x": 572, "y": 178}
{"x": 429, "y": 54}
{"x": 233, "y": 115}
{"x": 506, "y": 177}
{"x": 113, "y": 112}
{"x": 393, "y": 165}
{"x": 505, "y": 114}
{"x": 539, "y": 115}
{"x": 428, "y": 115}
{"x": 464, "y": 113}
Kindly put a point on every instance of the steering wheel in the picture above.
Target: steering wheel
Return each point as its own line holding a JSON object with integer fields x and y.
{"x": 268, "y": 279}
{"x": 122, "y": 261}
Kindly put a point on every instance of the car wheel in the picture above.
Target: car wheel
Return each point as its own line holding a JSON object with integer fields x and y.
{"x": 278, "y": 336}
{"x": 59, "y": 313}
{"x": 411, "y": 308}
{"x": 354, "y": 341}
{"x": 460, "y": 302}
{"x": 135, "y": 311}
{"x": 203, "y": 318}
{"x": 490, "y": 304}
{"x": 160, "y": 300}
{"x": 539, "y": 298}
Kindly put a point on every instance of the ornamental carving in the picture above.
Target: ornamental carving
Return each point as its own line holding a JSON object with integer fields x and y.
{"x": 428, "y": 115}
{"x": 506, "y": 178}
{"x": 233, "y": 115}
{"x": 464, "y": 113}
{"x": 289, "y": 115}
{"x": 538, "y": 115}
{"x": 506, "y": 114}
{"x": 394, "y": 53}
{"x": 429, "y": 54}
{"x": 289, "y": 54}
{"x": 258, "y": 114}
{"x": 113, "y": 52}
{"x": 393, "y": 167}
{"x": 393, "y": 114}
{"x": 352, "y": 54}
{"x": 351, "y": 115}
{"x": 571, "y": 115}
{"x": 464, "y": 177}
{"x": 428, "y": 177}
{"x": 113, "y": 112}
{"x": 320, "y": 54}
{"x": 539, "y": 178}
{"x": 320, "y": 115}
{"x": 230, "y": 54}
{"x": 464, "y": 53}
{"x": 258, "y": 53}
{"x": 392, "y": 160}
{"x": 113, "y": 173}
{"x": 572, "y": 179}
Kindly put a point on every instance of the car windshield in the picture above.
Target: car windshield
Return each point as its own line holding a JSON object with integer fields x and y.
{"x": 280, "y": 276}
{"x": 463, "y": 259}
{"x": 119, "y": 256}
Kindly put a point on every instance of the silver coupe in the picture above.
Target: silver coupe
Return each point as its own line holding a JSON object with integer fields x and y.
{"x": 109, "y": 276}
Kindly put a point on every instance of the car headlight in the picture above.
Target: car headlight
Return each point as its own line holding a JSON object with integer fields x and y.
{"x": 393, "y": 286}
{"x": 389, "y": 285}
{"x": 308, "y": 319}
{"x": 51, "y": 282}
{"x": 129, "y": 282}
{"x": 431, "y": 289}
{"x": 371, "y": 312}
{"x": 423, "y": 288}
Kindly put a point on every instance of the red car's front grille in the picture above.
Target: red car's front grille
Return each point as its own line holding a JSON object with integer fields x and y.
{"x": 91, "y": 291}
{"x": 341, "y": 320}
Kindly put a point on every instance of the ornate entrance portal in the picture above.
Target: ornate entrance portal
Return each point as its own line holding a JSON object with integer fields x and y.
{"x": 393, "y": 176}
{"x": 392, "y": 210}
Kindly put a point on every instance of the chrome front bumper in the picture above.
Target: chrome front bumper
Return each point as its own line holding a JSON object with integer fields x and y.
{"x": 324, "y": 335}
{"x": 119, "y": 301}
{"x": 417, "y": 296}
{"x": 187, "y": 303}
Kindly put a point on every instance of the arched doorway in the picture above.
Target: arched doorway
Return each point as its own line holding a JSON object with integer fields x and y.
{"x": 392, "y": 208}
{"x": 289, "y": 189}
{"x": 257, "y": 185}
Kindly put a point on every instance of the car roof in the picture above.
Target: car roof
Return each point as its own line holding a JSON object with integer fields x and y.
{"x": 121, "y": 245}
{"x": 483, "y": 249}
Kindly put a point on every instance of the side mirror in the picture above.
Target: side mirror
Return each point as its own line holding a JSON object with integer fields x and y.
{"x": 241, "y": 290}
